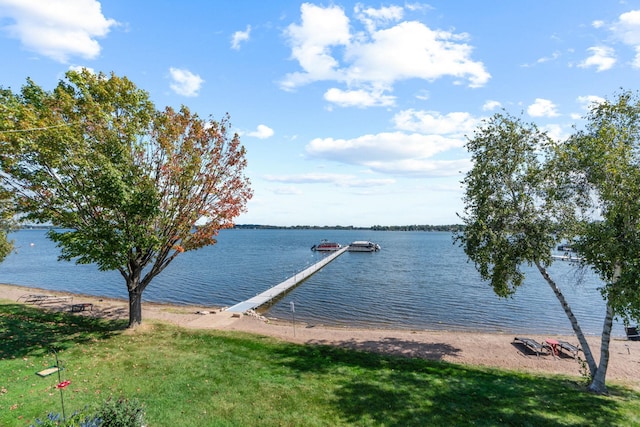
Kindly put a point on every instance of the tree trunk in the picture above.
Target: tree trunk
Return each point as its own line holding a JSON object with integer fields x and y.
{"x": 135, "y": 288}
{"x": 135, "y": 308}
{"x": 591, "y": 362}
{"x": 598, "y": 383}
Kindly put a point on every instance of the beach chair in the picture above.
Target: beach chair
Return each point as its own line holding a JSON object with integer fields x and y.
{"x": 632, "y": 333}
{"x": 532, "y": 345}
{"x": 39, "y": 299}
{"x": 569, "y": 347}
{"x": 35, "y": 299}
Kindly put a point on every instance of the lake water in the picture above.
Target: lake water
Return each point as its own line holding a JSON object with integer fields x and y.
{"x": 419, "y": 280}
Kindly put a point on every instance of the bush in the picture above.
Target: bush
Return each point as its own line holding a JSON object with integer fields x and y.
{"x": 112, "y": 413}
{"x": 121, "y": 413}
{"x": 77, "y": 419}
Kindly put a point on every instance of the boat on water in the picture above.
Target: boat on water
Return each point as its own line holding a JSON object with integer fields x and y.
{"x": 565, "y": 248}
{"x": 326, "y": 246}
{"x": 363, "y": 246}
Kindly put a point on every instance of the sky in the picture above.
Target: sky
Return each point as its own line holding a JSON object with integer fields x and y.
{"x": 352, "y": 113}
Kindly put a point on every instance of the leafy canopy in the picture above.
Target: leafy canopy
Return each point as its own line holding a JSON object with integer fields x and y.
{"x": 132, "y": 186}
{"x": 507, "y": 223}
{"x": 605, "y": 160}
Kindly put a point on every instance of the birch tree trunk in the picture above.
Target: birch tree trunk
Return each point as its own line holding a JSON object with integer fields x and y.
{"x": 598, "y": 384}
{"x": 593, "y": 367}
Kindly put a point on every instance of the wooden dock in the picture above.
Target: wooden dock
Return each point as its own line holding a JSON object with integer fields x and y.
{"x": 283, "y": 287}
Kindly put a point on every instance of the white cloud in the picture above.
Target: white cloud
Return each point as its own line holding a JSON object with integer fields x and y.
{"x": 79, "y": 68}
{"x": 555, "y": 55}
{"x": 542, "y": 108}
{"x": 287, "y": 191}
{"x": 557, "y": 132}
{"x": 589, "y": 101}
{"x": 597, "y": 24}
{"x": 417, "y": 149}
{"x": 627, "y": 29}
{"x": 262, "y": 132}
{"x": 636, "y": 61}
{"x": 372, "y": 18}
{"x": 432, "y": 122}
{"x": 389, "y": 152}
{"x": 58, "y": 29}
{"x": 423, "y": 167}
{"x": 423, "y": 95}
{"x": 382, "y": 146}
{"x": 373, "y": 59}
{"x": 240, "y": 36}
{"x": 311, "y": 43}
{"x": 341, "y": 180}
{"x": 602, "y": 57}
{"x": 491, "y": 105}
{"x": 413, "y": 50}
{"x": 184, "y": 82}
{"x": 358, "y": 98}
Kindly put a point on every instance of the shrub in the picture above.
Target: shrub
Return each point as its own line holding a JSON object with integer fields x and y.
{"x": 77, "y": 419}
{"x": 121, "y": 413}
{"x": 112, "y": 413}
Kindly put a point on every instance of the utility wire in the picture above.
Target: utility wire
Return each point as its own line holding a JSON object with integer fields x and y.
{"x": 34, "y": 129}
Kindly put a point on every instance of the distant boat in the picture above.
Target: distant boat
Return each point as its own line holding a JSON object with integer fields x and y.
{"x": 363, "y": 246}
{"x": 326, "y": 246}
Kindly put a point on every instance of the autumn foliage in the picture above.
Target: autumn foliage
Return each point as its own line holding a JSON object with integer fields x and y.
{"x": 132, "y": 186}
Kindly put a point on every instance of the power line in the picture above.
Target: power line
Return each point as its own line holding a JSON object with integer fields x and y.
{"x": 34, "y": 129}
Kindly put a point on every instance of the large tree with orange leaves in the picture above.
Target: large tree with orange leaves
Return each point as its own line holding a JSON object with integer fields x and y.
{"x": 128, "y": 186}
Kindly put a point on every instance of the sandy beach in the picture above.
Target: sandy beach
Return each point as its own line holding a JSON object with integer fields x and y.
{"x": 471, "y": 348}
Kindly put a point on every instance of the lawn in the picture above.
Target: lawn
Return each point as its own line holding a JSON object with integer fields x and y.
{"x": 215, "y": 378}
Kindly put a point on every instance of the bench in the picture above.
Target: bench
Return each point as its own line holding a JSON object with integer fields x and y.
{"x": 75, "y": 308}
{"x": 532, "y": 344}
{"x": 632, "y": 333}
{"x": 569, "y": 347}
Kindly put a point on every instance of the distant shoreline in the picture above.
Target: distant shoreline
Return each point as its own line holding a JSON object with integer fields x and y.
{"x": 424, "y": 227}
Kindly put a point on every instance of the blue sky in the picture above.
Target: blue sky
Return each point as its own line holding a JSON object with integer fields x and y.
{"x": 352, "y": 113}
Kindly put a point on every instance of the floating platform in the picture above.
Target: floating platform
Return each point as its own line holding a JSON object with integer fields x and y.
{"x": 283, "y": 287}
{"x": 570, "y": 258}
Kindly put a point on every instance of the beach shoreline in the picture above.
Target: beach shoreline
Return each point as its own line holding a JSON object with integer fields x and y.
{"x": 497, "y": 350}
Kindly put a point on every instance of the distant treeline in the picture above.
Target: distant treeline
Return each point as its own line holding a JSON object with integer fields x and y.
{"x": 299, "y": 227}
{"x": 451, "y": 227}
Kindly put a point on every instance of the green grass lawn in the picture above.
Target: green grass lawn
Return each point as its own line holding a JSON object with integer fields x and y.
{"x": 214, "y": 378}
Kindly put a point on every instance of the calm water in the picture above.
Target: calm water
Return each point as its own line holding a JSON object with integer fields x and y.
{"x": 419, "y": 280}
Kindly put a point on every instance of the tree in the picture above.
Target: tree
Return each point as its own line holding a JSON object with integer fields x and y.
{"x": 7, "y": 209}
{"x": 6, "y": 224}
{"x": 604, "y": 160}
{"x": 519, "y": 204}
{"x": 131, "y": 186}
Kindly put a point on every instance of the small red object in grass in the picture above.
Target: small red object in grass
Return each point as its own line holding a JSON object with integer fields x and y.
{"x": 63, "y": 384}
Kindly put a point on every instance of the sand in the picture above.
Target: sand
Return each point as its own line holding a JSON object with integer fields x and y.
{"x": 469, "y": 348}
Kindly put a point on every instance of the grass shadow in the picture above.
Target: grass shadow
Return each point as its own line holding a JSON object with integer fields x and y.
{"x": 400, "y": 391}
{"x": 233, "y": 378}
{"x": 26, "y": 330}
{"x": 399, "y": 347}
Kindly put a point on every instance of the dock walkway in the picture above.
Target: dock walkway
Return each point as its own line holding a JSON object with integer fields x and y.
{"x": 283, "y": 287}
